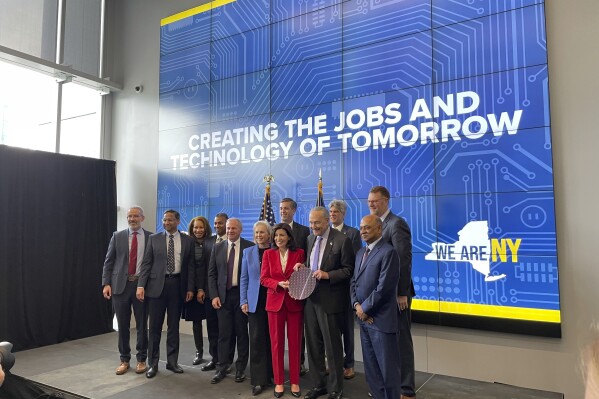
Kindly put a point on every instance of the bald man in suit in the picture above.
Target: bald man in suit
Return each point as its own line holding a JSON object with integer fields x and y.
{"x": 119, "y": 282}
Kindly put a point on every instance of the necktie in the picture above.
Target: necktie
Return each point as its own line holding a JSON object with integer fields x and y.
{"x": 133, "y": 255}
{"x": 315, "y": 254}
{"x": 364, "y": 258}
{"x": 230, "y": 266}
{"x": 170, "y": 255}
{"x": 219, "y": 240}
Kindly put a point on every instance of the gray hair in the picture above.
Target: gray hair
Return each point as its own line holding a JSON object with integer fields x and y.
{"x": 265, "y": 224}
{"x": 339, "y": 205}
{"x": 139, "y": 208}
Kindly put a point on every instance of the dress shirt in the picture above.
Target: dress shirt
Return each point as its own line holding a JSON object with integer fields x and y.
{"x": 235, "y": 277}
{"x": 323, "y": 245}
{"x": 385, "y": 214}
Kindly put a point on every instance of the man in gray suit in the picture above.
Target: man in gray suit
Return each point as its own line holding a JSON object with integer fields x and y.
{"x": 337, "y": 211}
{"x": 119, "y": 281}
{"x": 397, "y": 233}
{"x": 166, "y": 279}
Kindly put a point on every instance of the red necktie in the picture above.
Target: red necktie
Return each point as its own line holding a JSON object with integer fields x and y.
{"x": 133, "y": 255}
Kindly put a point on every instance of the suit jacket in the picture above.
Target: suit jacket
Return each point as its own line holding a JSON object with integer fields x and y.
{"x": 250, "y": 278}
{"x": 354, "y": 236}
{"x": 300, "y": 235}
{"x": 116, "y": 264}
{"x": 217, "y": 270}
{"x": 397, "y": 233}
{"x": 338, "y": 261}
{"x": 153, "y": 267}
{"x": 272, "y": 274}
{"x": 201, "y": 271}
{"x": 374, "y": 286}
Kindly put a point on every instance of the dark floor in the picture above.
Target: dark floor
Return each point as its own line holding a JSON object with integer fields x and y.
{"x": 86, "y": 368}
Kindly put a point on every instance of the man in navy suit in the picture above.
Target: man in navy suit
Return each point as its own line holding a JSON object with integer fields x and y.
{"x": 119, "y": 281}
{"x": 224, "y": 274}
{"x": 337, "y": 211}
{"x": 166, "y": 279}
{"x": 331, "y": 258}
{"x": 397, "y": 233}
{"x": 373, "y": 293}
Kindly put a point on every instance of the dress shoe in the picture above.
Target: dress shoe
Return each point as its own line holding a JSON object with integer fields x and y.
{"x": 218, "y": 377}
{"x": 151, "y": 373}
{"x": 315, "y": 392}
{"x": 296, "y": 394}
{"x": 239, "y": 376}
{"x": 279, "y": 394}
{"x": 303, "y": 370}
{"x": 208, "y": 366}
{"x": 197, "y": 359}
{"x": 141, "y": 368}
{"x": 122, "y": 369}
{"x": 228, "y": 370}
{"x": 349, "y": 373}
{"x": 175, "y": 368}
{"x": 256, "y": 390}
{"x": 336, "y": 395}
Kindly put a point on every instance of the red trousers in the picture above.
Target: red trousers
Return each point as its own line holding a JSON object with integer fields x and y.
{"x": 295, "y": 331}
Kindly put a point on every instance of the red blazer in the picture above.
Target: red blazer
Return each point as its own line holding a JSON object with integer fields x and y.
{"x": 272, "y": 274}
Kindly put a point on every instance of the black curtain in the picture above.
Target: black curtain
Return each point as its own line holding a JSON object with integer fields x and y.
{"x": 57, "y": 214}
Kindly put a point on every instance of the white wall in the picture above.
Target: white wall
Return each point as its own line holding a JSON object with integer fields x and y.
{"x": 540, "y": 363}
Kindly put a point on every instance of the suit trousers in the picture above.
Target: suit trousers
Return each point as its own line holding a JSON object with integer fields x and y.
{"x": 381, "y": 364}
{"x": 170, "y": 302}
{"x": 232, "y": 326}
{"x": 406, "y": 351}
{"x": 122, "y": 304}
{"x": 276, "y": 323}
{"x": 260, "y": 356}
{"x": 347, "y": 331}
{"x": 323, "y": 335}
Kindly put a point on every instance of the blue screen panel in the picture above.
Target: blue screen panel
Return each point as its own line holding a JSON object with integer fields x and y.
{"x": 189, "y": 67}
{"x": 490, "y": 44}
{"x": 184, "y": 107}
{"x": 238, "y": 17}
{"x": 185, "y": 33}
{"x": 368, "y": 22}
{"x": 449, "y": 12}
{"x": 240, "y": 54}
{"x": 240, "y": 96}
{"x": 306, "y": 83}
{"x": 284, "y": 9}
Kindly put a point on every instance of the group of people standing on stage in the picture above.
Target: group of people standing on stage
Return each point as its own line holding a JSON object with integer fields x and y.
{"x": 231, "y": 282}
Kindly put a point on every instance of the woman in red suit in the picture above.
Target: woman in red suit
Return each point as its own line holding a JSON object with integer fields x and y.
{"x": 277, "y": 266}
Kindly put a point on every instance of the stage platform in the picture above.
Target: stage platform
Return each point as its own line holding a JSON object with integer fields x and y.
{"x": 85, "y": 368}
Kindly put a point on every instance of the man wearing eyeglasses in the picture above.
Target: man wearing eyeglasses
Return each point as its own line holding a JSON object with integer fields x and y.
{"x": 397, "y": 233}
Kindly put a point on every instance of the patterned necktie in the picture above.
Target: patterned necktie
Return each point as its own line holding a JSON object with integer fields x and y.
{"x": 230, "y": 266}
{"x": 364, "y": 258}
{"x": 315, "y": 254}
{"x": 133, "y": 255}
{"x": 170, "y": 255}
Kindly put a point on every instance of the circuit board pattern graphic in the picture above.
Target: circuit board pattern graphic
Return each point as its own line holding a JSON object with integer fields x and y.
{"x": 255, "y": 62}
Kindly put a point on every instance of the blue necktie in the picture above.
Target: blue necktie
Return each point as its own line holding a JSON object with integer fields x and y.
{"x": 315, "y": 255}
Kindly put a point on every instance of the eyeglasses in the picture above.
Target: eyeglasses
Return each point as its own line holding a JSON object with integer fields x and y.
{"x": 376, "y": 200}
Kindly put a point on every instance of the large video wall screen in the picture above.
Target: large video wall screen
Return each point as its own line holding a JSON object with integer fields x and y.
{"x": 445, "y": 103}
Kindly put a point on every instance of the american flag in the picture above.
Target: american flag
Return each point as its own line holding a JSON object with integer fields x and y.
{"x": 266, "y": 213}
{"x": 320, "y": 199}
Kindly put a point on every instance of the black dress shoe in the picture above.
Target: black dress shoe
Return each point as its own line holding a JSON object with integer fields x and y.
{"x": 315, "y": 392}
{"x": 303, "y": 370}
{"x": 256, "y": 390}
{"x": 296, "y": 394}
{"x": 208, "y": 366}
{"x": 279, "y": 394}
{"x": 218, "y": 377}
{"x": 228, "y": 370}
{"x": 239, "y": 376}
{"x": 151, "y": 373}
{"x": 174, "y": 368}
{"x": 335, "y": 395}
{"x": 198, "y": 359}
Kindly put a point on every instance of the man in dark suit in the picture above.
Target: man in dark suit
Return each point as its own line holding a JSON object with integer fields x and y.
{"x": 331, "y": 257}
{"x": 166, "y": 279}
{"x": 119, "y": 281}
{"x": 397, "y": 233}
{"x": 337, "y": 211}
{"x": 287, "y": 209}
{"x": 220, "y": 229}
{"x": 373, "y": 293}
{"x": 224, "y": 275}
